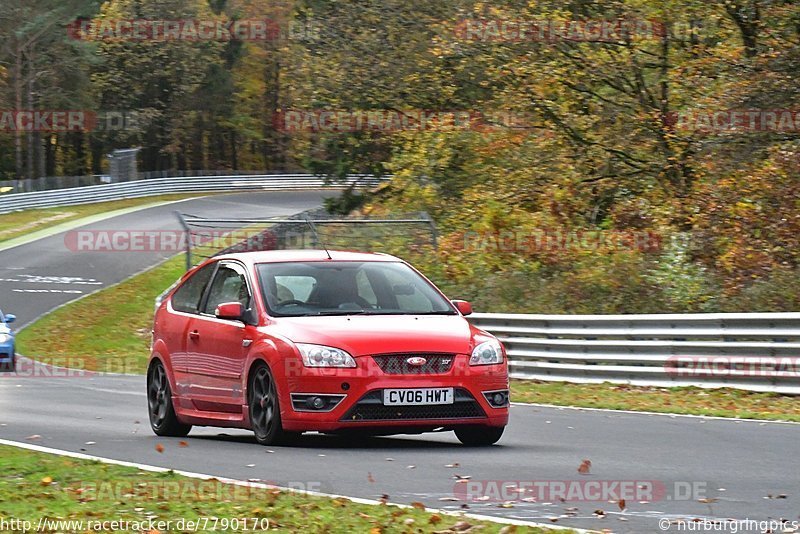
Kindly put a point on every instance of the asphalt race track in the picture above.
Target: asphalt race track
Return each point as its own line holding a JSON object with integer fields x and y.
{"x": 699, "y": 467}
{"x": 39, "y": 276}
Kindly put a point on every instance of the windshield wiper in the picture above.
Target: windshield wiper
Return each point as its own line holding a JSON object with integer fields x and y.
{"x": 339, "y": 312}
{"x": 394, "y": 312}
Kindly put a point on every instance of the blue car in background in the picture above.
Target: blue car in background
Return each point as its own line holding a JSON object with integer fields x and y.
{"x": 7, "y": 347}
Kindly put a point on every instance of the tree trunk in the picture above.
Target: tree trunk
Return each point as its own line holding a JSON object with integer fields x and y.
{"x": 747, "y": 18}
{"x": 50, "y": 150}
{"x": 30, "y": 153}
{"x": 234, "y": 150}
{"x": 18, "y": 105}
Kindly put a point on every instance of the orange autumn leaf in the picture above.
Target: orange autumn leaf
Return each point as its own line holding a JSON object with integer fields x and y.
{"x": 585, "y": 466}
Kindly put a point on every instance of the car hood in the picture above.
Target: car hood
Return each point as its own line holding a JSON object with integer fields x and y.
{"x": 4, "y": 329}
{"x": 362, "y": 334}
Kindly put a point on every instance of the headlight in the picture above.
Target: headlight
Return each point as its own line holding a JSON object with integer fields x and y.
{"x": 4, "y": 338}
{"x": 487, "y": 353}
{"x": 322, "y": 356}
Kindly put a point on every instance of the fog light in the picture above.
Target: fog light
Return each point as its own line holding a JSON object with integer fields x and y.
{"x": 498, "y": 399}
{"x": 317, "y": 403}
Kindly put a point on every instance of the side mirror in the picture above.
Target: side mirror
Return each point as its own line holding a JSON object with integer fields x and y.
{"x": 10, "y": 318}
{"x": 230, "y": 310}
{"x": 463, "y": 306}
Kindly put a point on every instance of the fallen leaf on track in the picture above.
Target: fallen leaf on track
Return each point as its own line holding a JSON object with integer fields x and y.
{"x": 159, "y": 448}
{"x": 585, "y": 466}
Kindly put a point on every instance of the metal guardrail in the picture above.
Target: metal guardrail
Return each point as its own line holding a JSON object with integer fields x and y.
{"x": 753, "y": 351}
{"x": 161, "y": 186}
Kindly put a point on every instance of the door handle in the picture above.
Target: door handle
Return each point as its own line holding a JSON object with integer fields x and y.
{"x": 194, "y": 334}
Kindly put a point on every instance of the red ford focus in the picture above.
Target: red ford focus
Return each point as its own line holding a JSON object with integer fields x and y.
{"x": 283, "y": 342}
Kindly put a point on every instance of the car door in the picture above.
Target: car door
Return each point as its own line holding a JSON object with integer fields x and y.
{"x": 219, "y": 347}
{"x": 184, "y": 306}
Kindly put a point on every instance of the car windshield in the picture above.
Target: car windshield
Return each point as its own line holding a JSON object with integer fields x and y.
{"x": 297, "y": 289}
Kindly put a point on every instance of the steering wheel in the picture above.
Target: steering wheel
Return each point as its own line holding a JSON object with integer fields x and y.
{"x": 363, "y": 303}
{"x": 291, "y": 302}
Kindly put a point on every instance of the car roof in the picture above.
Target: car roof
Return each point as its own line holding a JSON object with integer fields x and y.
{"x": 277, "y": 256}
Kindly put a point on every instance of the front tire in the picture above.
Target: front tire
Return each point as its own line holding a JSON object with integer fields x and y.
{"x": 265, "y": 411}
{"x": 163, "y": 420}
{"x": 480, "y": 436}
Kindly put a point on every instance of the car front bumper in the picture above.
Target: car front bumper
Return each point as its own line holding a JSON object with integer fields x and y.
{"x": 354, "y": 398}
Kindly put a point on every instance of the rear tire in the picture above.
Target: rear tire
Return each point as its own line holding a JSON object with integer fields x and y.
{"x": 265, "y": 410}
{"x": 480, "y": 436}
{"x": 163, "y": 420}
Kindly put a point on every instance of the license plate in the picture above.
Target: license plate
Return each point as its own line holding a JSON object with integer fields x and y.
{"x": 417, "y": 397}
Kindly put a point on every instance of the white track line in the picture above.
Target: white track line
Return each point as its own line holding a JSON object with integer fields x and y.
{"x": 357, "y": 500}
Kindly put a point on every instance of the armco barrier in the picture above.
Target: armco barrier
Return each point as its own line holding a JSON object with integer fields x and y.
{"x": 754, "y": 351}
{"x": 162, "y": 186}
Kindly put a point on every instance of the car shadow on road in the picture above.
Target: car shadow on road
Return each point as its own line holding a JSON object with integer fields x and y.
{"x": 326, "y": 441}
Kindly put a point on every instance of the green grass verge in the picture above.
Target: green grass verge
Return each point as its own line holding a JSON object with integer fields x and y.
{"x": 21, "y": 223}
{"x": 106, "y": 331}
{"x": 723, "y": 402}
{"x": 35, "y": 485}
{"x": 110, "y": 331}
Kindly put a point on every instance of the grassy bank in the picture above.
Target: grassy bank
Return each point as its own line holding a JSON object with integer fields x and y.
{"x": 106, "y": 331}
{"x": 725, "y": 402}
{"x": 110, "y": 331}
{"x": 35, "y": 485}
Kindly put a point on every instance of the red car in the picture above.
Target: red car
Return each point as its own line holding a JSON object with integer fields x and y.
{"x": 283, "y": 342}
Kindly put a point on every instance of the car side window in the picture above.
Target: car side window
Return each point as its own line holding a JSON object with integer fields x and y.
{"x": 229, "y": 285}
{"x": 187, "y": 297}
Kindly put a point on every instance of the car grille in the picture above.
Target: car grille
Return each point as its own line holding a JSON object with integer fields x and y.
{"x": 397, "y": 364}
{"x": 370, "y": 408}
